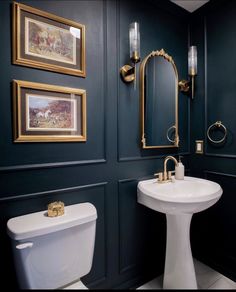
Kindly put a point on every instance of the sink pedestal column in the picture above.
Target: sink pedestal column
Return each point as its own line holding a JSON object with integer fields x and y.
{"x": 179, "y": 268}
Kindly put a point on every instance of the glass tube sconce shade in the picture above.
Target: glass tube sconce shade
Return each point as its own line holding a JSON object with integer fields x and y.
{"x": 134, "y": 42}
{"x": 192, "y": 61}
{"x": 192, "y": 65}
{"x": 127, "y": 72}
{"x": 187, "y": 85}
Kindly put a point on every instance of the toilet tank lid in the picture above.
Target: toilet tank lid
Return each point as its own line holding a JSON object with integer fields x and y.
{"x": 36, "y": 224}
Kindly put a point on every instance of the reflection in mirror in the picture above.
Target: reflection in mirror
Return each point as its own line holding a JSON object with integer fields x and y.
{"x": 159, "y": 100}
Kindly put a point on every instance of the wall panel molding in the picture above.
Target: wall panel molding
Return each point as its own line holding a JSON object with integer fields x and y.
{"x": 149, "y": 154}
{"x": 137, "y": 232}
{"x": 131, "y": 266}
{"x": 70, "y": 196}
{"x": 23, "y": 167}
{"x": 219, "y": 174}
{"x": 102, "y": 279}
{"x": 93, "y": 172}
{"x": 207, "y": 152}
{"x": 99, "y": 160}
{"x": 220, "y": 155}
{"x": 219, "y": 246}
{"x": 50, "y": 192}
{"x": 125, "y": 159}
{"x": 105, "y": 77}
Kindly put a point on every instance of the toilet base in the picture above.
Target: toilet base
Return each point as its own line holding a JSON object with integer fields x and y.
{"x": 76, "y": 285}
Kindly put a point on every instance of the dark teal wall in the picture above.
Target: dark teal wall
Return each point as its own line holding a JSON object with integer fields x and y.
{"x": 130, "y": 238}
{"x": 213, "y": 231}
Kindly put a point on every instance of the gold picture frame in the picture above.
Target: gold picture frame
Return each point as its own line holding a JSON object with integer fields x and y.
{"x": 48, "y": 113}
{"x": 45, "y": 41}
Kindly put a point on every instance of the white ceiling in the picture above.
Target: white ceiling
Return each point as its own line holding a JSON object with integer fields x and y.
{"x": 190, "y": 5}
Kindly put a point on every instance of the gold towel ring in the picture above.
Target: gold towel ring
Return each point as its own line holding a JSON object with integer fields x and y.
{"x": 167, "y": 134}
{"x": 217, "y": 124}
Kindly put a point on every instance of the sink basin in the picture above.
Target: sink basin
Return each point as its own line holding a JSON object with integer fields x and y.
{"x": 190, "y": 195}
{"x": 179, "y": 200}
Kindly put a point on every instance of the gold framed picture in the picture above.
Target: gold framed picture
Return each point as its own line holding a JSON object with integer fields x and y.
{"x": 48, "y": 113}
{"x": 46, "y": 41}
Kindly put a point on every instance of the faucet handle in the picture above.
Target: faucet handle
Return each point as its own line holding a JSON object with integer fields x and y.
{"x": 170, "y": 173}
{"x": 180, "y": 157}
{"x": 159, "y": 175}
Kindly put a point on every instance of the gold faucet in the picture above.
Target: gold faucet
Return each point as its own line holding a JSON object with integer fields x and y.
{"x": 166, "y": 176}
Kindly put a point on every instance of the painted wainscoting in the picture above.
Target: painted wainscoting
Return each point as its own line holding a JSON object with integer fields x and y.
{"x": 104, "y": 170}
{"x": 213, "y": 233}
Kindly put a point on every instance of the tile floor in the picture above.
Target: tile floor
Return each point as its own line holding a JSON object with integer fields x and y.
{"x": 207, "y": 278}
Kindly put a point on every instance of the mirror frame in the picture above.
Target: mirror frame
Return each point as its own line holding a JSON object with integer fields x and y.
{"x": 163, "y": 54}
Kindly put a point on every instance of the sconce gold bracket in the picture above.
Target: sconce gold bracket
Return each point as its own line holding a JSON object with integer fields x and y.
{"x": 184, "y": 86}
{"x": 187, "y": 86}
{"x": 127, "y": 73}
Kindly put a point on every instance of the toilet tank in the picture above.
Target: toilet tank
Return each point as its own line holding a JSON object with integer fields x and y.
{"x": 52, "y": 252}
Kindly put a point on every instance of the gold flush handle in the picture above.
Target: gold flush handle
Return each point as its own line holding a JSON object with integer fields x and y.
{"x": 55, "y": 209}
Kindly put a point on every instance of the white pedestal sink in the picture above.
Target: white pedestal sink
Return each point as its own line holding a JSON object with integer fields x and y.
{"x": 179, "y": 200}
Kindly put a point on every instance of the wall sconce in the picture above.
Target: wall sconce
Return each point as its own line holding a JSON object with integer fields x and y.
{"x": 185, "y": 85}
{"x": 128, "y": 71}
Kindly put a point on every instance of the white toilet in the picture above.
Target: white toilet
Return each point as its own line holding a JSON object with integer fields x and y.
{"x": 54, "y": 252}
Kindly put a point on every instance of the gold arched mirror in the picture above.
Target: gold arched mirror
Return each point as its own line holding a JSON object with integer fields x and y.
{"x": 159, "y": 101}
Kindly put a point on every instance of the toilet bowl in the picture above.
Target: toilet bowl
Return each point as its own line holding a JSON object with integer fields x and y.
{"x": 54, "y": 252}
